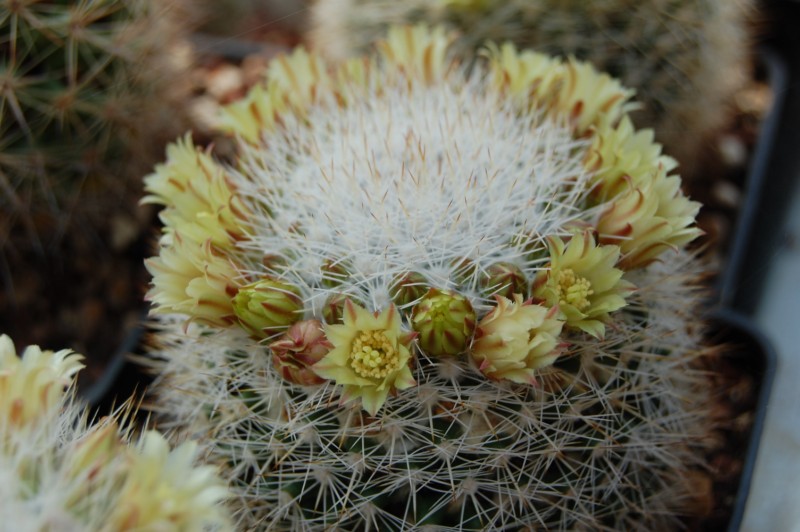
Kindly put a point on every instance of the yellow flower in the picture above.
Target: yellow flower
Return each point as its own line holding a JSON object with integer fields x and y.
{"x": 200, "y": 201}
{"x": 515, "y": 339}
{"x": 254, "y": 114}
{"x": 294, "y": 82}
{"x": 648, "y": 219}
{"x": 591, "y": 98}
{"x": 164, "y": 490}
{"x": 418, "y": 52}
{"x": 267, "y": 306}
{"x": 301, "y": 76}
{"x": 370, "y": 355}
{"x": 573, "y": 90}
{"x": 621, "y": 155}
{"x": 530, "y": 78}
{"x": 582, "y": 282}
{"x": 32, "y": 387}
{"x": 195, "y": 279}
{"x": 97, "y": 450}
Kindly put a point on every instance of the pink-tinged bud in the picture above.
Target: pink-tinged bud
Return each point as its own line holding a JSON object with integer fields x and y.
{"x": 504, "y": 279}
{"x": 408, "y": 288}
{"x": 333, "y": 310}
{"x": 303, "y": 345}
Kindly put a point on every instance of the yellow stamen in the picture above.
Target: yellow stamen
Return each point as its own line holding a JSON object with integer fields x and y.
{"x": 372, "y": 355}
{"x": 573, "y": 289}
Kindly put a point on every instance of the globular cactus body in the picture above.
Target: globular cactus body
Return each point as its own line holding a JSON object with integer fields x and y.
{"x": 58, "y": 472}
{"x": 685, "y": 58}
{"x": 446, "y": 405}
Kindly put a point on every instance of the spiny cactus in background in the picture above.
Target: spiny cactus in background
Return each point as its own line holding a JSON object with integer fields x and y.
{"x": 469, "y": 349}
{"x": 246, "y": 17}
{"x": 84, "y": 98}
{"x": 685, "y": 58}
{"x": 59, "y": 473}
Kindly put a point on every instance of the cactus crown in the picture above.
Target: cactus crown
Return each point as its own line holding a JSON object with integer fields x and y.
{"x": 385, "y": 174}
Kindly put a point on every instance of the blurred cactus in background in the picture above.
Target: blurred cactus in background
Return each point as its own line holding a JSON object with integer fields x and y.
{"x": 486, "y": 357}
{"x": 57, "y": 472}
{"x": 246, "y": 19}
{"x": 85, "y": 103}
{"x": 685, "y": 58}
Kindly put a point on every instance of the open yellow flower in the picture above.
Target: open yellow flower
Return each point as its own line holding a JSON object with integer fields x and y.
{"x": 370, "y": 355}
{"x": 195, "y": 279}
{"x": 515, "y": 339}
{"x": 196, "y": 191}
{"x": 582, "y": 282}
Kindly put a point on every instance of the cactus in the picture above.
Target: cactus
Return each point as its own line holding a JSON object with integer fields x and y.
{"x": 85, "y": 99}
{"x": 60, "y": 473}
{"x": 685, "y": 58}
{"x": 576, "y": 405}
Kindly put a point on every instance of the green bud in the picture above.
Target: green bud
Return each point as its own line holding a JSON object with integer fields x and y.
{"x": 267, "y": 306}
{"x": 504, "y": 279}
{"x": 463, "y": 271}
{"x": 333, "y": 310}
{"x": 408, "y": 288}
{"x": 333, "y": 273}
{"x": 445, "y": 322}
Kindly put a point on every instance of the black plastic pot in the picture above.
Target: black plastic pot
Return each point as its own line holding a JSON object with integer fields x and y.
{"x": 750, "y": 352}
{"x": 774, "y": 169}
{"x": 122, "y": 377}
{"x": 773, "y": 177}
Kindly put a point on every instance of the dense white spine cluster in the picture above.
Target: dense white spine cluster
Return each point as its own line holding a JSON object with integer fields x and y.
{"x": 457, "y": 174}
{"x": 429, "y": 298}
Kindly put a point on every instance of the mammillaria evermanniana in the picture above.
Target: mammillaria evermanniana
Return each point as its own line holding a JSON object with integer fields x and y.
{"x": 58, "y": 472}
{"x": 469, "y": 349}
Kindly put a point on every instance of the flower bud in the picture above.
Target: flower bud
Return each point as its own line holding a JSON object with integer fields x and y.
{"x": 303, "y": 345}
{"x": 333, "y": 273}
{"x": 408, "y": 288}
{"x": 463, "y": 271}
{"x": 333, "y": 310}
{"x": 504, "y": 279}
{"x": 445, "y": 322}
{"x": 267, "y": 306}
{"x": 515, "y": 339}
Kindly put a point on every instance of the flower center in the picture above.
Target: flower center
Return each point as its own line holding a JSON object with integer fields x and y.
{"x": 372, "y": 355}
{"x": 573, "y": 289}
